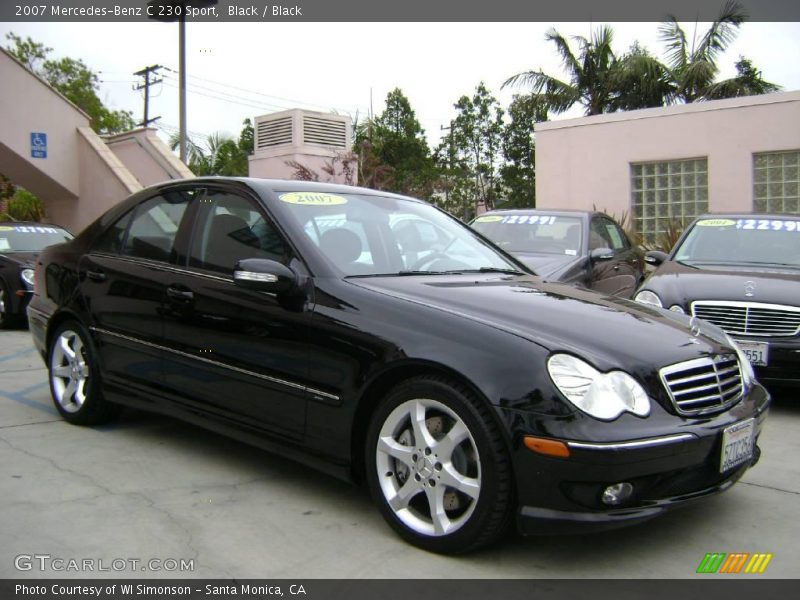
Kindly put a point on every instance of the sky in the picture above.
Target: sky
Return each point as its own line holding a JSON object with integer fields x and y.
{"x": 241, "y": 70}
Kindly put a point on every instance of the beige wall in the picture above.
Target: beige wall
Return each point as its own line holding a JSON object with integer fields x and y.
{"x": 147, "y": 157}
{"x": 586, "y": 161}
{"x": 27, "y": 104}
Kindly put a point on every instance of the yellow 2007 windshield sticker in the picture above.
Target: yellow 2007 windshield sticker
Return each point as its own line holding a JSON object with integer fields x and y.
{"x": 716, "y": 223}
{"x": 489, "y": 219}
{"x": 5, "y": 228}
{"x": 313, "y": 198}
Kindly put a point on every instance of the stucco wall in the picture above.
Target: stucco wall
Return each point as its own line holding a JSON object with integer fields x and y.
{"x": 585, "y": 162}
{"x": 147, "y": 157}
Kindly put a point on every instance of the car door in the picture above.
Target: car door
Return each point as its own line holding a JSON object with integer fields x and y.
{"x": 123, "y": 282}
{"x": 616, "y": 272}
{"x": 231, "y": 352}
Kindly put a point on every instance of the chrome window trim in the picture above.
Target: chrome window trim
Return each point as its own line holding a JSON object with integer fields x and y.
{"x": 153, "y": 264}
{"x": 634, "y": 444}
{"x": 314, "y": 392}
{"x": 747, "y": 306}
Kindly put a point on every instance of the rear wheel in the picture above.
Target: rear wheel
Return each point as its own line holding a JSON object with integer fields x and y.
{"x": 439, "y": 469}
{"x": 75, "y": 378}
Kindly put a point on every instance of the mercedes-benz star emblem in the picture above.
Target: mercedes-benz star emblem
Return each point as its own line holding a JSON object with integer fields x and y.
{"x": 749, "y": 289}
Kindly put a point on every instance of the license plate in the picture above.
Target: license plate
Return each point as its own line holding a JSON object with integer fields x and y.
{"x": 737, "y": 444}
{"x": 756, "y": 352}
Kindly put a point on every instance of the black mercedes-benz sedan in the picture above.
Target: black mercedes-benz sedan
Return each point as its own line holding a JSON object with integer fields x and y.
{"x": 20, "y": 244}
{"x": 315, "y": 321}
{"x": 742, "y": 273}
{"x": 583, "y": 248}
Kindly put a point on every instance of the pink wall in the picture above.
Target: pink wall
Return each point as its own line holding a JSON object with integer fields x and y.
{"x": 147, "y": 157}
{"x": 586, "y": 161}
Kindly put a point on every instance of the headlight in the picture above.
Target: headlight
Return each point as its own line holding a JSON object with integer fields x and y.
{"x": 27, "y": 276}
{"x": 677, "y": 308}
{"x": 748, "y": 375}
{"x": 602, "y": 395}
{"x": 648, "y": 297}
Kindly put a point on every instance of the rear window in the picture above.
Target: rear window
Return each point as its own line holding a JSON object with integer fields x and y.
{"x": 30, "y": 238}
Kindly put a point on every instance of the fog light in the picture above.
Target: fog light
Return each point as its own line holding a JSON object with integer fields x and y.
{"x": 616, "y": 494}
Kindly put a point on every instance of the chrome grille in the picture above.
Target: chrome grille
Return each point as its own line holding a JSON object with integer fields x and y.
{"x": 750, "y": 318}
{"x": 703, "y": 385}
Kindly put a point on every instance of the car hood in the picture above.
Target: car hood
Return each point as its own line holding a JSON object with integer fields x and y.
{"x": 545, "y": 265}
{"x": 24, "y": 259}
{"x": 609, "y": 331}
{"x": 675, "y": 282}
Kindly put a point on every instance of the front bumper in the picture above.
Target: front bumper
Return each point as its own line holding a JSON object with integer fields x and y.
{"x": 564, "y": 495}
{"x": 783, "y": 366}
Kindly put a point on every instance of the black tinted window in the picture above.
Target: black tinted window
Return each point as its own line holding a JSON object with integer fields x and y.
{"x": 233, "y": 228}
{"x": 155, "y": 223}
{"x": 112, "y": 238}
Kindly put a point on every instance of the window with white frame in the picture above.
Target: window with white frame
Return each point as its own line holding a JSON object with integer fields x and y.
{"x": 776, "y": 182}
{"x": 667, "y": 192}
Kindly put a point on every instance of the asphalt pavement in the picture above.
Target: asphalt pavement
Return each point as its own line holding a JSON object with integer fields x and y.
{"x": 147, "y": 496}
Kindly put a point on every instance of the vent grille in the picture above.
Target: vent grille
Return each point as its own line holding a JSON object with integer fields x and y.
{"x": 750, "y": 318}
{"x": 326, "y": 132}
{"x": 274, "y": 133}
{"x": 703, "y": 385}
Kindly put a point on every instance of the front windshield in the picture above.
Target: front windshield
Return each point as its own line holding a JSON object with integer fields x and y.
{"x": 366, "y": 235}
{"x": 30, "y": 238}
{"x": 535, "y": 234}
{"x": 743, "y": 241}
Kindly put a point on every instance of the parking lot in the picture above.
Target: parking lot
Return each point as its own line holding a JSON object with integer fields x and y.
{"x": 149, "y": 488}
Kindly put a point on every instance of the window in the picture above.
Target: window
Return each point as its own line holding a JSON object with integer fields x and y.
{"x": 665, "y": 192}
{"x": 776, "y": 182}
{"x": 232, "y": 228}
{"x": 112, "y": 238}
{"x": 152, "y": 230}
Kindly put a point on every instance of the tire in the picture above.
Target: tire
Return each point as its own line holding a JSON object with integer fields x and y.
{"x": 75, "y": 377}
{"x": 7, "y": 319}
{"x": 438, "y": 468}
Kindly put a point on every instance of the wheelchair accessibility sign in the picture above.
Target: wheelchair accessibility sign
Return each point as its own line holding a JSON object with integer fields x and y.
{"x": 38, "y": 145}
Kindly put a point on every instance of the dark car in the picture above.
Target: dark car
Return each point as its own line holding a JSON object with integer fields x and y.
{"x": 463, "y": 390}
{"x": 583, "y": 248}
{"x": 741, "y": 272}
{"x": 20, "y": 244}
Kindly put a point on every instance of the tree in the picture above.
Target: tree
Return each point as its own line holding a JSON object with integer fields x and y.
{"x": 473, "y": 150}
{"x": 519, "y": 172}
{"x": 221, "y": 155}
{"x": 396, "y": 140}
{"x": 748, "y": 82}
{"x": 590, "y": 74}
{"x": 640, "y": 80}
{"x": 693, "y": 65}
{"x": 74, "y": 80}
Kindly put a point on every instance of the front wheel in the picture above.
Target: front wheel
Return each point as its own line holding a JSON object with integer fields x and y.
{"x": 439, "y": 470}
{"x": 75, "y": 377}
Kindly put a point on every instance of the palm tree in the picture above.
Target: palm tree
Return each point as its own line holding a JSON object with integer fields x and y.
{"x": 748, "y": 82}
{"x": 693, "y": 65}
{"x": 589, "y": 74}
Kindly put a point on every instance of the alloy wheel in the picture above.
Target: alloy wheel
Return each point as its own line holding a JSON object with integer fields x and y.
{"x": 69, "y": 371}
{"x": 428, "y": 467}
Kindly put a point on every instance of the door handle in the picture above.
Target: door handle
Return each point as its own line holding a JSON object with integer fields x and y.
{"x": 179, "y": 294}
{"x": 96, "y": 275}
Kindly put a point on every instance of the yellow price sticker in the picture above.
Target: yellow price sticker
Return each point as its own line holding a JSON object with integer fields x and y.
{"x": 489, "y": 219}
{"x": 313, "y": 198}
{"x": 4, "y": 228}
{"x": 715, "y": 223}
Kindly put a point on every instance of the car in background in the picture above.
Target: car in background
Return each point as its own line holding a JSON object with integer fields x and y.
{"x": 742, "y": 273}
{"x": 584, "y": 248}
{"x": 308, "y": 319}
{"x": 20, "y": 244}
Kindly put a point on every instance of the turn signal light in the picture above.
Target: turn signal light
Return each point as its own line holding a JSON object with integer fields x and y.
{"x": 546, "y": 447}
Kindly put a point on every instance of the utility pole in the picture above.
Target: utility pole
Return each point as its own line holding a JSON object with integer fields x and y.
{"x": 145, "y": 73}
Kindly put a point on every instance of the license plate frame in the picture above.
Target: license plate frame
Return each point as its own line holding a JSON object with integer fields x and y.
{"x": 738, "y": 445}
{"x": 756, "y": 352}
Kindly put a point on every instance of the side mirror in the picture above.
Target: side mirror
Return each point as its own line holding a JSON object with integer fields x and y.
{"x": 655, "y": 257}
{"x": 601, "y": 254}
{"x": 264, "y": 275}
